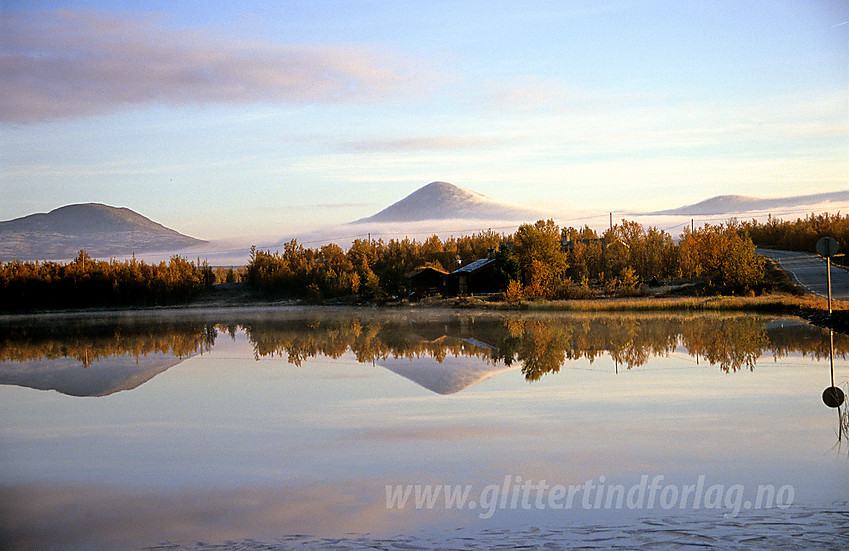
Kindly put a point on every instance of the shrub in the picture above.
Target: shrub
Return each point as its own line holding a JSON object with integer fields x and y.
{"x": 514, "y": 291}
{"x": 628, "y": 284}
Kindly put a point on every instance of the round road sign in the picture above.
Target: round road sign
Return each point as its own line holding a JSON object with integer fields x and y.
{"x": 833, "y": 397}
{"x": 827, "y": 247}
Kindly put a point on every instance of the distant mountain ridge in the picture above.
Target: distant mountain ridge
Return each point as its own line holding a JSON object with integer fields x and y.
{"x": 101, "y": 230}
{"x": 443, "y": 201}
{"x": 730, "y": 204}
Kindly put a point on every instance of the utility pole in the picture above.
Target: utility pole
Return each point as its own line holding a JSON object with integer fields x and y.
{"x": 611, "y": 221}
{"x": 827, "y": 247}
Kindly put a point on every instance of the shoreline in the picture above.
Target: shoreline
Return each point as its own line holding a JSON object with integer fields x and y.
{"x": 811, "y": 308}
{"x": 762, "y": 303}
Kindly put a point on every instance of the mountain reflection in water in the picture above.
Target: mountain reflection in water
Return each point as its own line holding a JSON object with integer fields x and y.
{"x": 442, "y": 351}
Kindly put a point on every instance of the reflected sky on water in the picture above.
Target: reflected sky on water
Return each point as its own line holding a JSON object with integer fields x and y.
{"x": 216, "y": 425}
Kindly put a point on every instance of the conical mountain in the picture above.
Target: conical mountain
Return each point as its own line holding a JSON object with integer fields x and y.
{"x": 100, "y": 229}
{"x": 443, "y": 201}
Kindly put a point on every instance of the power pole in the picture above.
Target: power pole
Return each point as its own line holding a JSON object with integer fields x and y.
{"x": 827, "y": 247}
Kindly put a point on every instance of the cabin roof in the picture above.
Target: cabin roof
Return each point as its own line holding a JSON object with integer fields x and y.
{"x": 424, "y": 269}
{"x": 475, "y": 266}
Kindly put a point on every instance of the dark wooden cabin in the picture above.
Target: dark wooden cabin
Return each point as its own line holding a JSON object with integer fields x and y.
{"x": 426, "y": 281}
{"x": 475, "y": 278}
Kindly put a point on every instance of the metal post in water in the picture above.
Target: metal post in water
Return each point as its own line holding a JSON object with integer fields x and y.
{"x": 831, "y": 353}
{"x": 832, "y": 396}
{"x": 839, "y": 414}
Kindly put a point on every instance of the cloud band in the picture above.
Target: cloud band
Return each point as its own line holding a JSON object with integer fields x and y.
{"x": 69, "y": 63}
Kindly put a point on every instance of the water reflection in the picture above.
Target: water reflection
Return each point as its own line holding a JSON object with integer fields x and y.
{"x": 97, "y": 357}
{"x": 225, "y": 448}
{"x": 444, "y": 352}
{"x": 88, "y": 340}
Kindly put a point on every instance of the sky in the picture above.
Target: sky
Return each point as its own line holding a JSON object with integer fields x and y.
{"x": 225, "y": 118}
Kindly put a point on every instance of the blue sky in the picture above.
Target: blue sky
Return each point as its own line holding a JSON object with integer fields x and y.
{"x": 237, "y": 118}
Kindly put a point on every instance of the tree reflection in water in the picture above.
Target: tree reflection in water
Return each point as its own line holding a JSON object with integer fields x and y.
{"x": 90, "y": 340}
{"x": 540, "y": 344}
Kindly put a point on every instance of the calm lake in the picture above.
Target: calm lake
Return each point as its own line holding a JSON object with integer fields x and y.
{"x": 290, "y": 428}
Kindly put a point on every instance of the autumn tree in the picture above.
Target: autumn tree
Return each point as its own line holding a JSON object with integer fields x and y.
{"x": 721, "y": 255}
{"x": 541, "y": 258}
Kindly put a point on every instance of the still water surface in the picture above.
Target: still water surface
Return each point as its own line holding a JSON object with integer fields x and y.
{"x": 286, "y": 428}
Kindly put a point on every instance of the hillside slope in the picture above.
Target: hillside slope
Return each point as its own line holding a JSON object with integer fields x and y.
{"x": 732, "y": 204}
{"x": 100, "y": 229}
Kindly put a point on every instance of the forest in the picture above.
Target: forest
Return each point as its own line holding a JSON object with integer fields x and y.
{"x": 537, "y": 261}
{"x": 801, "y": 234}
{"x": 85, "y": 282}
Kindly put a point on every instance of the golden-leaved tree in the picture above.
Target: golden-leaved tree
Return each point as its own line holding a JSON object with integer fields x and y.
{"x": 541, "y": 259}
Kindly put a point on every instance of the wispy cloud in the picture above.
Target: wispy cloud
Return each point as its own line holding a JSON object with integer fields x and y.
{"x": 418, "y": 143}
{"x": 533, "y": 92}
{"x": 68, "y": 63}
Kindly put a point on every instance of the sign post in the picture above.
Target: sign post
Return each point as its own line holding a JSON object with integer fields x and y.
{"x": 827, "y": 247}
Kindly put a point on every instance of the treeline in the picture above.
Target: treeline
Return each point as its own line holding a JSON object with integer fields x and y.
{"x": 801, "y": 234}
{"x": 369, "y": 269}
{"x": 539, "y": 260}
{"x": 85, "y": 282}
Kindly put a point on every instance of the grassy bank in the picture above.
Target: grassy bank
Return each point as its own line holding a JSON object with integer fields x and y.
{"x": 231, "y": 296}
{"x": 812, "y": 308}
{"x": 765, "y": 303}
{"x": 785, "y": 298}
{"x": 236, "y": 294}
